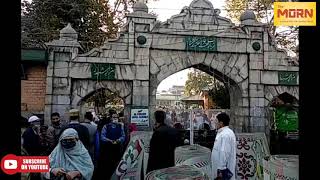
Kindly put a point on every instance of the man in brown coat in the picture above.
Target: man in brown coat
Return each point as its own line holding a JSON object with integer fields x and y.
{"x": 54, "y": 131}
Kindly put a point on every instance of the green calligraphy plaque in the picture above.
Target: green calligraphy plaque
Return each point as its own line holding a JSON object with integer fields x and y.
{"x": 287, "y": 78}
{"x": 103, "y": 71}
{"x": 200, "y": 43}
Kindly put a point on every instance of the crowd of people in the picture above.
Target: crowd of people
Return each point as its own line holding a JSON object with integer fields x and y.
{"x": 200, "y": 118}
{"x": 78, "y": 150}
{"x": 92, "y": 151}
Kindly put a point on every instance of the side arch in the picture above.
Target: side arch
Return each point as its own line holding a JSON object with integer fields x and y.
{"x": 272, "y": 92}
{"x": 81, "y": 89}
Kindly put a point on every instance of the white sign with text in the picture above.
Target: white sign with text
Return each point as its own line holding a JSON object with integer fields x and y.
{"x": 140, "y": 117}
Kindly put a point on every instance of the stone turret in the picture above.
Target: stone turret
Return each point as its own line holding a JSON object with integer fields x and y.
{"x": 68, "y": 33}
{"x": 61, "y": 52}
{"x": 140, "y": 7}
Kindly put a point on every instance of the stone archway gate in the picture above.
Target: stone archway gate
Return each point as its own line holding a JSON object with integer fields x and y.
{"x": 148, "y": 51}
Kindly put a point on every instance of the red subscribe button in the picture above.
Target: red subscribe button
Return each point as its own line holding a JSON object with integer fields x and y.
{"x": 11, "y": 164}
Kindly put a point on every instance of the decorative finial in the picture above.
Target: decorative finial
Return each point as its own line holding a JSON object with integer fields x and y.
{"x": 68, "y": 33}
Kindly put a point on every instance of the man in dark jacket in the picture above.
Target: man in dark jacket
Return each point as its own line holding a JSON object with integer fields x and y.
{"x": 31, "y": 138}
{"x": 162, "y": 144}
{"x": 33, "y": 142}
{"x": 82, "y": 130}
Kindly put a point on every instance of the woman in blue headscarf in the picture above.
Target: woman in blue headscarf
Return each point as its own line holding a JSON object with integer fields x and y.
{"x": 70, "y": 159}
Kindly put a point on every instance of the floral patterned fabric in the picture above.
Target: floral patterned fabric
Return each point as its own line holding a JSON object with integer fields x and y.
{"x": 133, "y": 158}
{"x": 252, "y": 148}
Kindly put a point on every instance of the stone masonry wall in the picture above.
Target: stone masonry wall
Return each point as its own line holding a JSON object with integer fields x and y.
{"x": 148, "y": 51}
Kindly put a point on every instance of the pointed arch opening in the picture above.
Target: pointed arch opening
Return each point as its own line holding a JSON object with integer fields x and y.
{"x": 284, "y": 124}
{"x": 101, "y": 100}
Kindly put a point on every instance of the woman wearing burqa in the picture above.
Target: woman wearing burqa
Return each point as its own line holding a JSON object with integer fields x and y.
{"x": 70, "y": 160}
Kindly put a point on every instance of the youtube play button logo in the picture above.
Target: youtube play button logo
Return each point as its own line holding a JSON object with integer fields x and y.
{"x": 9, "y": 164}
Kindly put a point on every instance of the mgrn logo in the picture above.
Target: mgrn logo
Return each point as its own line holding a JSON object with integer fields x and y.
{"x": 295, "y": 13}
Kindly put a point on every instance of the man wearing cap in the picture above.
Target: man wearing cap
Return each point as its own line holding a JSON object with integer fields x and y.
{"x": 82, "y": 130}
{"x": 31, "y": 138}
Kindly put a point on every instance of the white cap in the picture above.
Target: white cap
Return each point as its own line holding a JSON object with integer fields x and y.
{"x": 33, "y": 118}
{"x": 74, "y": 112}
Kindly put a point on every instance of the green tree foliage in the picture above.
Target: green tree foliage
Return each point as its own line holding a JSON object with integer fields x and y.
{"x": 220, "y": 96}
{"x": 102, "y": 98}
{"x": 285, "y": 38}
{"x": 198, "y": 81}
{"x": 236, "y": 7}
{"x": 94, "y": 20}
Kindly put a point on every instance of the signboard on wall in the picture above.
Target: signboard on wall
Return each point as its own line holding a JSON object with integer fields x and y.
{"x": 103, "y": 71}
{"x": 140, "y": 116}
{"x": 288, "y": 78}
{"x": 200, "y": 43}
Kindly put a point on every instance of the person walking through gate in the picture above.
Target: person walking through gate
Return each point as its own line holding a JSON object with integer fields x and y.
{"x": 82, "y": 130}
{"x": 198, "y": 121}
{"x": 112, "y": 139}
{"x": 162, "y": 144}
{"x": 223, "y": 155}
{"x": 168, "y": 119}
{"x": 92, "y": 132}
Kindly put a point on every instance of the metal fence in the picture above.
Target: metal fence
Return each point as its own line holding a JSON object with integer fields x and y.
{"x": 198, "y": 133}
{"x": 197, "y": 116}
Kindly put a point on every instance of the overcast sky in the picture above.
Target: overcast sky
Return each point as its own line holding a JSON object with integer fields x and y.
{"x": 167, "y": 8}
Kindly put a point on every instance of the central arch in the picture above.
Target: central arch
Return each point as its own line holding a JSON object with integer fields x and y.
{"x": 231, "y": 69}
